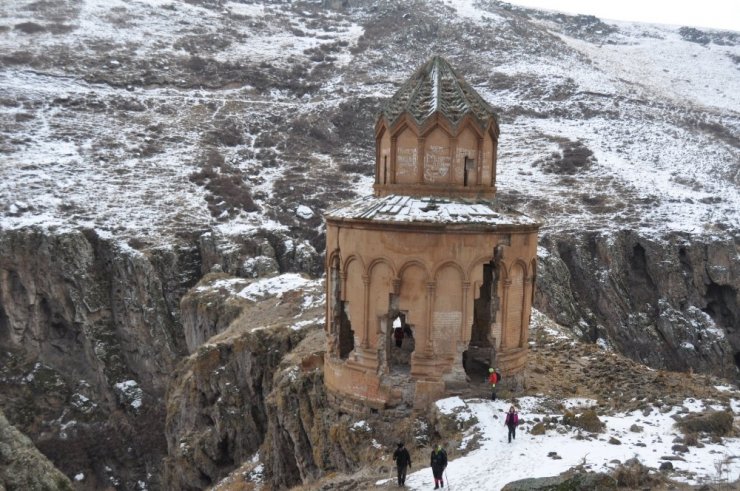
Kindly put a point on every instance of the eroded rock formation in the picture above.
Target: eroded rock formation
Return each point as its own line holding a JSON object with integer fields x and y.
{"x": 670, "y": 303}
{"x": 90, "y": 334}
{"x": 22, "y": 466}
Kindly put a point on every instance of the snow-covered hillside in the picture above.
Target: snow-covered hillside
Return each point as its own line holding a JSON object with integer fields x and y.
{"x": 192, "y": 136}
{"x": 154, "y": 118}
{"x": 647, "y": 436}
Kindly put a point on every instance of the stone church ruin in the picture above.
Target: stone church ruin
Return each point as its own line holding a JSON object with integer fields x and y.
{"x": 429, "y": 281}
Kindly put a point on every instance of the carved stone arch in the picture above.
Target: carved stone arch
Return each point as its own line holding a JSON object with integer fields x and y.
{"x": 380, "y": 129}
{"x": 333, "y": 284}
{"x": 438, "y": 123}
{"x": 354, "y": 257}
{"x": 381, "y": 278}
{"x": 347, "y": 262}
{"x": 520, "y": 262}
{"x": 403, "y": 123}
{"x": 448, "y": 322}
{"x": 383, "y": 260}
{"x": 454, "y": 264}
{"x": 476, "y": 263}
{"x": 469, "y": 122}
{"x": 414, "y": 298}
{"x": 413, "y": 262}
{"x": 515, "y": 305}
{"x": 336, "y": 254}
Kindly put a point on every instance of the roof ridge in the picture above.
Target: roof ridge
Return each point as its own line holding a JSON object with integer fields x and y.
{"x": 436, "y": 87}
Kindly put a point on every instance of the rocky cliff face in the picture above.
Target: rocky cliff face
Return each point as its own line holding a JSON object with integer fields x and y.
{"x": 253, "y": 396}
{"x": 216, "y": 416}
{"x": 90, "y": 334}
{"x": 22, "y": 466}
{"x": 671, "y": 303}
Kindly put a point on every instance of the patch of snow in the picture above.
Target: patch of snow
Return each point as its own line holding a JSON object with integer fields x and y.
{"x": 304, "y": 212}
{"x": 130, "y": 393}
{"x": 361, "y": 425}
{"x": 275, "y": 287}
{"x": 474, "y": 471}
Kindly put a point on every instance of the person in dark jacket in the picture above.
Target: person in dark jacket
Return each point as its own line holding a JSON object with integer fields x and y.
{"x": 512, "y": 421}
{"x": 398, "y": 336}
{"x": 439, "y": 464}
{"x": 402, "y": 458}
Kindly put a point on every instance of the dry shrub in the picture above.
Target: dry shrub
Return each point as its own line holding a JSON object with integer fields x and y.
{"x": 588, "y": 421}
{"x": 30, "y": 27}
{"x": 632, "y": 474}
{"x": 691, "y": 439}
{"x": 228, "y": 193}
{"x": 717, "y": 423}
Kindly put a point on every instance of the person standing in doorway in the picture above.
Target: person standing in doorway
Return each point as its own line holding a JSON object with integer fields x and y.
{"x": 512, "y": 421}
{"x": 493, "y": 379}
{"x": 439, "y": 464}
{"x": 398, "y": 332}
{"x": 402, "y": 458}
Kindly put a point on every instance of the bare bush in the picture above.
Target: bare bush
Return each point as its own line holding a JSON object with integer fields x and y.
{"x": 717, "y": 423}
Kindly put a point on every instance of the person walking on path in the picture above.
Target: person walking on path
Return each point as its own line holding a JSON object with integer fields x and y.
{"x": 512, "y": 421}
{"x": 402, "y": 458}
{"x": 439, "y": 464}
{"x": 493, "y": 379}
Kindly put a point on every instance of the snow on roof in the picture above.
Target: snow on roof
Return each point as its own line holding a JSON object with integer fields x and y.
{"x": 395, "y": 208}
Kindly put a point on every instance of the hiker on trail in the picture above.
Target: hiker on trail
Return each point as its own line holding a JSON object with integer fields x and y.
{"x": 493, "y": 379}
{"x": 512, "y": 421}
{"x": 439, "y": 464}
{"x": 402, "y": 458}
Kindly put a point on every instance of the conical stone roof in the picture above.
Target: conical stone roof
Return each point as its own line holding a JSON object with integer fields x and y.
{"x": 435, "y": 87}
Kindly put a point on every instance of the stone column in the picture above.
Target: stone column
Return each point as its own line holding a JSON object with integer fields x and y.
{"x": 366, "y": 312}
{"x": 504, "y": 313}
{"x": 479, "y": 164}
{"x": 453, "y": 151}
{"x": 431, "y": 287}
{"x": 420, "y": 161}
{"x": 394, "y": 157}
{"x": 465, "y": 328}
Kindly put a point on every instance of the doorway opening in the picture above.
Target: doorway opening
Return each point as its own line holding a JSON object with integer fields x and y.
{"x": 401, "y": 343}
{"x": 481, "y": 352}
{"x": 345, "y": 333}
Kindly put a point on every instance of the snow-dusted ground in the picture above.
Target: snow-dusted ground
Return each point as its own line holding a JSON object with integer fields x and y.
{"x": 109, "y": 108}
{"x": 498, "y": 462}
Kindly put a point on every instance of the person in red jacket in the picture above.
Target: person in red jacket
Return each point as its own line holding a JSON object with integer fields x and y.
{"x": 493, "y": 379}
{"x": 512, "y": 421}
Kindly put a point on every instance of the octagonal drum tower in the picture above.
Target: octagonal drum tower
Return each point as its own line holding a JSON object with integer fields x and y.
{"x": 429, "y": 282}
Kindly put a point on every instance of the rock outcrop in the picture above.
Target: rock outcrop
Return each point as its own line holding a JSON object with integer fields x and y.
{"x": 216, "y": 415}
{"x": 90, "y": 335}
{"x": 671, "y": 303}
{"x": 22, "y": 466}
{"x": 570, "y": 481}
{"x": 254, "y": 393}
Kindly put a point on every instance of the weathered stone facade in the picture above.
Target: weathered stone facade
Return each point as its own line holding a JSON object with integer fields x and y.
{"x": 431, "y": 256}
